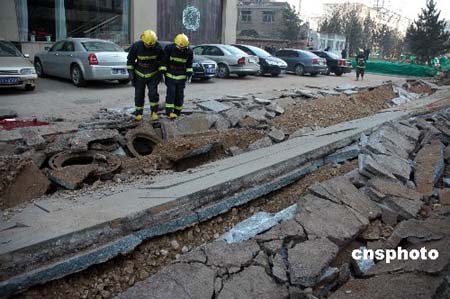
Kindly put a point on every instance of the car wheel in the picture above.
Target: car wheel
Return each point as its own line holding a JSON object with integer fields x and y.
{"x": 338, "y": 73}
{"x": 223, "y": 71}
{"x": 77, "y": 76}
{"x": 328, "y": 72}
{"x": 242, "y": 75}
{"x": 314, "y": 74}
{"x": 299, "y": 70}
{"x": 275, "y": 74}
{"x": 30, "y": 87}
{"x": 124, "y": 81}
{"x": 39, "y": 68}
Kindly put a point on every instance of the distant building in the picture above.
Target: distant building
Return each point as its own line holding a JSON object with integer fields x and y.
{"x": 447, "y": 26}
{"x": 336, "y": 42}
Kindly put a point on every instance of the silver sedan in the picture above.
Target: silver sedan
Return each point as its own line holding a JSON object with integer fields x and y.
{"x": 82, "y": 60}
{"x": 230, "y": 60}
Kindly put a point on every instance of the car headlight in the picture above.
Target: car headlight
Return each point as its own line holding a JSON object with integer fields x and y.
{"x": 28, "y": 71}
{"x": 270, "y": 62}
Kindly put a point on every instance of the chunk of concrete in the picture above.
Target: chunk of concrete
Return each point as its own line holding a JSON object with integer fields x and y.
{"x": 444, "y": 196}
{"x": 429, "y": 167}
{"x": 262, "y": 101}
{"x": 32, "y": 138}
{"x": 362, "y": 266}
{"x": 234, "y": 151}
{"x": 235, "y": 255}
{"x": 286, "y": 103}
{"x": 180, "y": 280}
{"x": 391, "y": 188}
{"x": 261, "y": 143}
{"x": 213, "y": 105}
{"x": 277, "y": 135}
{"x": 308, "y": 259}
{"x": 222, "y": 124}
{"x": 275, "y": 108}
{"x": 80, "y": 140}
{"x": 409, "y": 131}
{"x": 279, "y": 268}
{"x": 324, "y": 219}
{"x": 344, "y": 87}
{"x": 234, "y": 115}
{"x": 286, "y": 231}
{"x": 252, "y": 282}
{"x": 301, "y": 132}
{"x": 71, "y": 177}
{"x": 344, "y": 154}
{"x": 398, "y": 286}
{"x": 369, "y": 168}
{"x": 30, "y": 183}
{"x": 341, "y": 191}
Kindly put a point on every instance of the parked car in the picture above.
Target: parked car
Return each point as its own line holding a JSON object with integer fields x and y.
{"x": 204, "y": 68}
{"x": 82, "y": 60}
{"x": 229, "y": 59}
{"x": 268, "y": 63}
{"x": 335, "y": 63}
{"x": 301, "y": 62}
{"x": 15, "y": 69}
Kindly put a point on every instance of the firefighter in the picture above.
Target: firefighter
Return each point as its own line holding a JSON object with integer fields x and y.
{"x": 360, "y": 65}
{"x": 177, "y": 65}
{"x": 144, "y": 64}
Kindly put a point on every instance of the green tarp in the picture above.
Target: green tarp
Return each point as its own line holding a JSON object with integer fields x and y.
{"x": 396, "y": 68}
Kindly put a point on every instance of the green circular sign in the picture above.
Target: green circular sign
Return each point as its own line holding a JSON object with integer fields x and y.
{"x": 191, "y": 18}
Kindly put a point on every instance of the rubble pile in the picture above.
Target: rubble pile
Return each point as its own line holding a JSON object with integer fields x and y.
{"x": 398, "y": 196}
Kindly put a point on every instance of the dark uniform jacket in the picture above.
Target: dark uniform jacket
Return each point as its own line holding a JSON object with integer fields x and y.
{"x": 360, "y": 61}
{"x": 177, "y": 63}
{"x": 145, "y": 61}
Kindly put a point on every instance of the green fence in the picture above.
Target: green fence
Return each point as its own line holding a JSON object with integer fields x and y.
{"x": 396, "y": 68}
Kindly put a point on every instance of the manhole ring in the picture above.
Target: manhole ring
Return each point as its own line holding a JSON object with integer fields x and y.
{"x": 110, "y": 162}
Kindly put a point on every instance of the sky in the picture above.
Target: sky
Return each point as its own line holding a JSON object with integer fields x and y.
{"x": 408, "y": 8}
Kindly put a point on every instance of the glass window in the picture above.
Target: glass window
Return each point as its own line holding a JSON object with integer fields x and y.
{"x": 7, "y": 49}
{"x": 259, "y": 52}
{"x": 268, "y": 16}
{"x": 246, "y": 16}
{"x": 99, "y": 46}
{"x": 57, "y": 47}
{"x": 213, "y": 51}
{"x": 68, "y": 47}
{"x": 233, "y": 50}
{"x": 198, "y": 50}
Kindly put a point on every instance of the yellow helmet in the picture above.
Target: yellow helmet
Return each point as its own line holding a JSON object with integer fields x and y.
{"x": 149, "y": 37}
{"x": 181, "y": 40}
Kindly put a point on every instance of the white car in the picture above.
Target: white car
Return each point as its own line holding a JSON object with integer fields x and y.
{"x": 15, "y": 69}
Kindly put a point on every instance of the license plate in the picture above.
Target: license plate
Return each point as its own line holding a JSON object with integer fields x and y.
{"x": 211, "y": 70}
{"x": 119, "y": 71}
{"x": 9, "y": 81}
{"x": 252, "y": 60}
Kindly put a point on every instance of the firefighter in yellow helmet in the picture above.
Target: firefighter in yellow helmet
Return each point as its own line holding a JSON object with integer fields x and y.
{"x": 177, "y": 65}
{"x": 144, "y": 63}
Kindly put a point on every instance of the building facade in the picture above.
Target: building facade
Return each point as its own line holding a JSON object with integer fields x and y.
{"x": 36, "y": 24}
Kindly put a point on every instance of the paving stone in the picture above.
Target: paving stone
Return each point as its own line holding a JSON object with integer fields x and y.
{"x": 80, "y": 140}
{"x": 29, "y": 184}
{"x": 308, "y": 259}
{"x": 356, "y": 178}
{"x": 279, "y": 268}
{"x": 261, "y": 143}
{"x": 213, "y": 105}
{"x": 393, "y": 141}
{"x": 409, "y": 131}
{"x": 444, "y": 196}
{"x": 275, "y": 108}
{"x": 252, "y": 282}
{"x": 32, "y": 138}
{"x": 72, "y": 177}
{"x": 419, "y": 231}
{"x": 286, "y": 230}
{"x": 391, "y": 188}
{"x": 234, "y": 115}
{"x": 405, "y": 208}
{"x": 262, "y": 101}
{"x": 369, "y": 168}
{"x": 277, "y": 135}
{"x": 222, "y": 124}
{"x": 180, "y": 280}
{"x": 222, "y": 254}
{"x": 324, "y": 219}
{"x": 429, "y": 167}
{"x": 341, "y": 191}
{"x": 259, "y": 115}
{"x": 392, "y": 286}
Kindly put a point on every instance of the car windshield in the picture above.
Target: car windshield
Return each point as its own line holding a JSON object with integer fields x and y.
{"x": 97, "y": 46}
{"x": 259, "y": 52}
{"x": 334, "y": 56}
{"x": 8, "y": 50}
{"x": 233, "y": 50}
{"x": 309, "y": 54}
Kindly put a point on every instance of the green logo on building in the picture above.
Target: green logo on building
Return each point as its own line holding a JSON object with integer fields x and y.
{"x": 191, "y": 18}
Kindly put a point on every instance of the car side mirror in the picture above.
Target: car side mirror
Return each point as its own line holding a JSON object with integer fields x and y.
{"x": 26, "y": 55}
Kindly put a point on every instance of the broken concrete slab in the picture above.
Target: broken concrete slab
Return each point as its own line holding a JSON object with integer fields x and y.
{"x": 429, "y": 167}
{"x": 409, "y": 131}
{"x": 270, "y": 115}
{"x": 262, "y": 101}
{"x": 234, "y": 115}
{"x": 285, "y": 103}
{"x": 287, "y": 230}
{"x": 185, "y": 126}
{"x": 362, "y": 266}
{"x": 174, "y": 281}
{"x": 341, "y": 191}
{"x": 391, "y": 188}
{"x": 234, "y": 255}
{"x": 444, "y": 196}
{"x": 279, "y": 268}
{"x": 344, "y": 87}
{"x": 369, "y": 168}
{"x": 252, "y": 282}
{"x": 30, "y": 183}
{"x": 277, "y": 135}
{"x": 72, "y": 177}
{"x": 213, "y": 105}
{"x": 275, "y": 108}
{"x": 234, "y": 151}
{"x": 344, "y": 154}
{"x": 308, "y": 259}
{"x": 33, "y": 139}
{"x": 81, "y": 140}
{"x": 398, "y": 286}
{"x": 324, "y": 219}
{"x": 398, "y": 167}
{"x": 301, "y": 132}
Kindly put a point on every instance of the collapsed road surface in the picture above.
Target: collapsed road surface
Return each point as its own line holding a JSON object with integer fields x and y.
{"x": 171, "y": 203}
